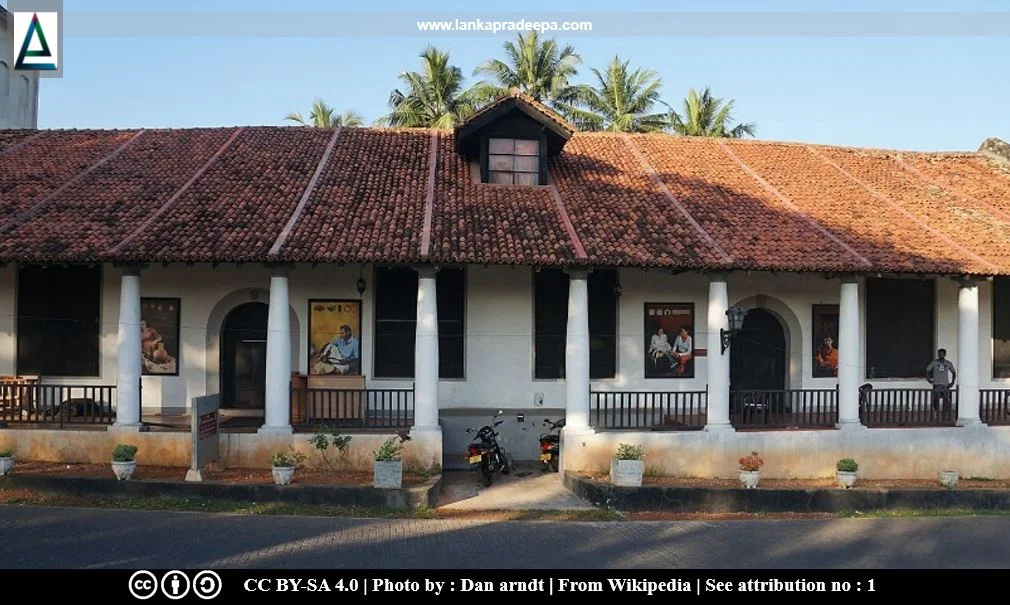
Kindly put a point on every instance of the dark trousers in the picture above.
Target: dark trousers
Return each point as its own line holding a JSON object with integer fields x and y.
{"x": 941, "y": 397}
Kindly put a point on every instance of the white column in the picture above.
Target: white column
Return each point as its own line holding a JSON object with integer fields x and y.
{"x": 426, "y": 352}
{"x": 967, "y": 354}
{"x": 848, "y": 354}
{"x": 718, "y": 360}
{"x": 278, "y": 378}
{"x": 128, "y": 359}
{"x": 577, "y": 353}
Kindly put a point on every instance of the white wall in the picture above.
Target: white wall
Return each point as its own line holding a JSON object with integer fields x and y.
{"x": 18, "y": 90}
{"x": 499, "y": 328}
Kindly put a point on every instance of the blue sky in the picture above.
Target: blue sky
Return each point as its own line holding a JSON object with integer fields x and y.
{"x": 904, "y": 92}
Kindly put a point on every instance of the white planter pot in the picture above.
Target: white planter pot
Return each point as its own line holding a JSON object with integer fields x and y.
{"x": 948, "y": 479}
{"x": 846, "y": 478}
{"x": 6, "y": 464}
{"x": 626, "y": 472}
{"x": 282, "y": 474}
{"x": 387, "y": 474}
{"x": 123, "y": 470}
{"x": 750, "y": 479}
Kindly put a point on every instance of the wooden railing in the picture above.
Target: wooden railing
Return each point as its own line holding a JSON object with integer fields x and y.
{"x": 58, "y": 404}
{"x": 909, "y": 407}
{"x": 669, "y": 410}
{"x": 994, "y": 406}
{"x": 785, "y": 408}
{"x": 353, "y": 408}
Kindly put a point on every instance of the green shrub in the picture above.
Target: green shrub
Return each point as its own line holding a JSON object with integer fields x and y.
{"x": 846, "y": 465}
{"x": 124, "y": 453}
{"x": 6, "y": 453}
{"x": 392, "y": 448}
{"x": 626, "y": 451}
{"x": 326, "y": 440}
{"x": 294, "y": 458}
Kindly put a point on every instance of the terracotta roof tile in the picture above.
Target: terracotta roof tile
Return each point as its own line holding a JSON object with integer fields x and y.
{"x": 643, "y": 200}
{"x": 531, "y": 103}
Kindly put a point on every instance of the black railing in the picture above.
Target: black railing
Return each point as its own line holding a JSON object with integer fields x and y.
{"x": 670, "y": 410}
{"x": 353, "y": 408}
{"x": 57, "y": 404}
{"x": 784, "y": 408}
{"x": 908, "y": 407}
{"x": 994, "y": 406}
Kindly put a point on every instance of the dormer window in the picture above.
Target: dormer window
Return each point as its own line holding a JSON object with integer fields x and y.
{"x": 513, "y": 161}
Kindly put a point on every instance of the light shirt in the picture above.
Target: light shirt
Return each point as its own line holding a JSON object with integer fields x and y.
{"x": 349, "y": 349}
{"x": 659, "y": 343}
{"x": 942, "y": 370}
{"x": 682, "y": 345}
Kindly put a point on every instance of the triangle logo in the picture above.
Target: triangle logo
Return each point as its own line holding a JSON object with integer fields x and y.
{"x": 35, "y": 31}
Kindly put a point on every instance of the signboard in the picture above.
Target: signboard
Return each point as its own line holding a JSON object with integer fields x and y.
{"x": 206, "y": 430}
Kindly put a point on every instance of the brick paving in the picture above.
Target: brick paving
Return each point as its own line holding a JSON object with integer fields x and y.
{"x": 44, "y": 537}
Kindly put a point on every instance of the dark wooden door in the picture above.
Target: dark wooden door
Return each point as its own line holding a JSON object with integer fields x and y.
{"x": 243, "y": 357}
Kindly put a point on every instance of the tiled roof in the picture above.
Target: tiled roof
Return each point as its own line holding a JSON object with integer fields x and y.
{"x": 528, "y": 103}
{"x": 290, "y": 194}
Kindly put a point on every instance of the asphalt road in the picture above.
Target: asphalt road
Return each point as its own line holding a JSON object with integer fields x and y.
{"x": 43, "y": 537}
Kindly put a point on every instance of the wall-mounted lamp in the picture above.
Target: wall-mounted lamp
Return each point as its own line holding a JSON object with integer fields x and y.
{"x": 361, "y": 283}
{"x": 736, "y": 316}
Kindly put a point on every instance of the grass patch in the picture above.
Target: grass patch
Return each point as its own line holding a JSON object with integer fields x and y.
{"x": 533, "y": 515}
{"x": 902, "y": 513}
{"x": 980, "y": 479}
{"x": 206, "y": 505}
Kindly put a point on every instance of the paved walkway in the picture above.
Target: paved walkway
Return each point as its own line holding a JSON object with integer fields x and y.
{"x": 40, "y": 537}
{"x": 528, "y": 488}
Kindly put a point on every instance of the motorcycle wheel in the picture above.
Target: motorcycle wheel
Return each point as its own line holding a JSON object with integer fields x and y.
{"x": 553, "y": 463}
{"x": 486, "y": 476}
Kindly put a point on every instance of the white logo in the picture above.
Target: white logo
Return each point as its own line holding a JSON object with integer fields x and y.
{"x": 143, "y": 584}
{"x": 175, "y": 584}
{"x": 207, "y": 585}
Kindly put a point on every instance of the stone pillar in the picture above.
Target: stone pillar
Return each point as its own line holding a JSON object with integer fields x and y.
{"x": 848, "y": 355}
{"x": 577, "y": 352}
{"x": 128, "y": 359}
{"x": 718, "y": 361}
{"x": 278, "y": 379}
{"x": 426, "y": 352}
{"x": 967, "y": 354}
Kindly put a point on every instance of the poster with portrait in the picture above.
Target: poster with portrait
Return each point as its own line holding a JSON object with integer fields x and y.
{"x": 825, "y": 334}
{"x": 669, "y": 340}
{"x": 159, "y": 336}
{"x": 335, "y": 337}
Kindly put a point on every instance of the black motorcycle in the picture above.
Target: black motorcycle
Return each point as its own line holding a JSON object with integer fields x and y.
{"x": 486, "y": 455}
{"x": 550, "y": 444}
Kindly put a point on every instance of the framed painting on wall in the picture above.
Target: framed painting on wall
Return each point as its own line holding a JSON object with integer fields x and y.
{"x": 159, "y": 336}
{"x": 335, "y": 337}
{"x": 825, "y": 345}
{"x": 669, "y": 340}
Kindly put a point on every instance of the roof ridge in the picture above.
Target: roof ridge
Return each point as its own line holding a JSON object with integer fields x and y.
{"x": 175, "y": 196}
{"x": 914, "y": 218}
{"x": 647, "y": 167}
{"x": 566, "y": 222}
{"x": 309, "y": 188}
{"x": 429, "y": 195}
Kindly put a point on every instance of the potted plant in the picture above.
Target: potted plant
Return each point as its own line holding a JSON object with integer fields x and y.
{"x": 628, "y": 465}
{"x": 282, "y": 465}
{"x": 750, "y": 470}
{"x": 387, "y": 470}
{"x": 845, "y": 472}
{"x": 124, "y": 461}
{"x": 6, "y": 462}
{"x": 948, "y": 479}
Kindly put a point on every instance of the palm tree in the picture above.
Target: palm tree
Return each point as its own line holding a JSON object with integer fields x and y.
{"x": 322, "y": 116}
{"x": 535, "y": 66}
{"x": 621, "y": 101}
{"x": 433, "y": 97}
{"x": 707, "y": 116}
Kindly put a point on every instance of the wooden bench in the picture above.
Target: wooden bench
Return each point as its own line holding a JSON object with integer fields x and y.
{"x": 327, "y": 397}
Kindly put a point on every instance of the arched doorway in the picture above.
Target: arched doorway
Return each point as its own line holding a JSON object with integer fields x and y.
{"x": 758, "y": 357}
{"x": 244, "y": 357}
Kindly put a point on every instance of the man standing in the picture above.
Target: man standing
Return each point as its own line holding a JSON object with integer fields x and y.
{"x": 941, "y": 374}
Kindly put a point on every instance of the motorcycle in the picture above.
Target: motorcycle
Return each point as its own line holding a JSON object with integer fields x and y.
{"x": 550, "y": 444}
{"x": 485, "y": 454}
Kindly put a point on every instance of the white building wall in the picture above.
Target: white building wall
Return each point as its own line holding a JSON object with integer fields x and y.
{"x": 19, "y": 90}
{"x": 499, "y": 328}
